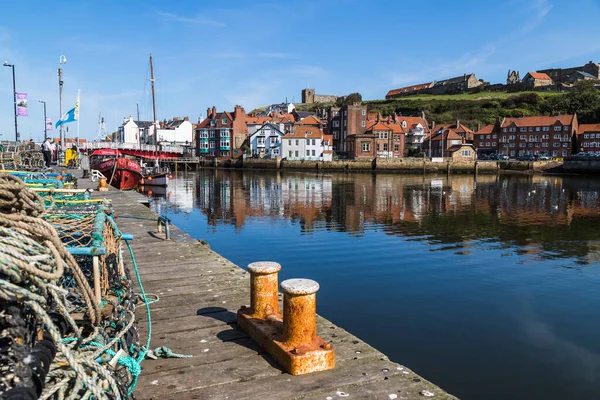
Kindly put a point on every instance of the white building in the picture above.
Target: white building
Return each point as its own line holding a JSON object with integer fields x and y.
{"x": 179, "y": 131}
{"x": 135, "y": 131}
{"x": 307, "y": 143}
{"x": 283, "y": 108}
{"x": 415, "y": 130}
{"x": 266, "y": 140}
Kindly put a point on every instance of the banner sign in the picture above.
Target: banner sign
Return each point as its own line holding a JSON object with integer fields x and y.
{"x": 22, "y": 104}
{"x": 48, "y": 123}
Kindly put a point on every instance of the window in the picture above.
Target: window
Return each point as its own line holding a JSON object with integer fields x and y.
{"x": 366, "y": 146}
{"x": 396, "y": 147}
{"x": 212, "y": 133}
{"x": 555, "y": 144}
{"x": 260, "y": 140}
{"x": 224, "y": 121}
{"x": 363, "y": 124}
{"x": 554, "y": 153}
{"x": 511, "y": 145}
{"x": 212, "y": 144}
{"x": 487, "y": 144}
{"x": 503, "y": 129}
{"x": 523, "y": 137}
{"x": 487, "y": 136}
{"x": 377, "y": 146}
{"x": 512, "y": 137}
{"x": 530, "y": 145}
{"x": 522, "y": 144}
{"x": 308, "y": 142}
{"x": 531, "y": 129}
{"x": 290, "y": 154}
{"x": 273, "y": 139}
{"x": 537, "y": 128}
{"x": 465, "y": 153}
{"x": 335, "y": 134}
{"x": 296, "y": 153}
{"x": 297, "y": 142}
{"x": 565, "y": 128}
{"x": 531, "y": 138}
{"x": 345, "y": 113}
{"x": 213, "y": 122}
{"x": 565, "y": 144}
{"x": 545, "y": 144}
{"x": 494, "y": 144}
{"x": 512, "y": 129}
{"x": 364, "y": 112}
{"x": 336, "y": 124}
{"x": 586, "y": 136}
{"x": 336, "y": 113}
{"x": 564, "y": 153}
{"x": 546, "y": 137}
{"x": 313, "y": 152}
{"x": 204, "y": 133}
{"x": 523, "y": 129}
{"x": 565, "y": 138}
{"x": 224, "y": 142}
{"x": 383, "y": 135}
{"x": 512, "y": 153}
{"x": 546, "y": 128}
{"x": 557, "y": 128}
{"x": 385, "y": 147}
{"x": 494, "y": 136}
{"x": 313, "y": 142}
{"x": 557, "y": 137}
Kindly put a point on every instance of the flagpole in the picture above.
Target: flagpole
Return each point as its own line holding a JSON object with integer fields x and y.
{"x": 78, "y": 116}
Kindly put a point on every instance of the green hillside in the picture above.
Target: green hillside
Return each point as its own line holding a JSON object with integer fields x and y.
{"x": 483, "y": 108}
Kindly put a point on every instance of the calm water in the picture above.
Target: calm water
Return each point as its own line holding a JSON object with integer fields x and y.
{"x": 487, "y": 287}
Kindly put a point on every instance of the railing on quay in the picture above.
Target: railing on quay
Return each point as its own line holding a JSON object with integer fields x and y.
{"x": 130, "y": 146}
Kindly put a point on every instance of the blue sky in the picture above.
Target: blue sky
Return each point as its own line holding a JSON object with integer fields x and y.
{"x": 256, "y": 53}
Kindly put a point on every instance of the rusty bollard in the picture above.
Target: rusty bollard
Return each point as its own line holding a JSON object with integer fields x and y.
{"x": 264, "y": 282}
{"x": 292, "y": 340}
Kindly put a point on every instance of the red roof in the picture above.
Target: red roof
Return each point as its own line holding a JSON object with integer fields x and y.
{"x": 311, "y": 120}
{"x": 257, "y": 120}
{"x": 379, "y": 126}
{"x": 585, "y": 128}
{"x": 408, "y": 89}
{"x": 304, "y": 131}
{"x": 412, "y": 122}
{"x": 218, "y": 121}
{"x": 539, "y": 120}
{"x": 539, "y": 75}
{"x": 485, "y": 130}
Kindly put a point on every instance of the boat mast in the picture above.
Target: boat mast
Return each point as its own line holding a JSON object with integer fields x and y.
{"x": 153, "y": 106}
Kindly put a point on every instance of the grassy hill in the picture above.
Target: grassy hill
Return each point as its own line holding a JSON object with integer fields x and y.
{"x": 471, "y": 109}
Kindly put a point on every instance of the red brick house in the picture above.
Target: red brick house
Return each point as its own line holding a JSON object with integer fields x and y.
{"x": 385, "y": 140}
{"x": 534, "y": 80}
{"x": 588, "y": 139}
{"x": 444, "y": 136}
{"x": 554, "y": 136}
{"x": 221, "y": 135}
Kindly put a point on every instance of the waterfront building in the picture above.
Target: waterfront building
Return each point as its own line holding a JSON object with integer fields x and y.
{"x": 352, "y": 121}
{"x": 132, "y": 131}
{"x": 407, "y": 90}
{"x": 444, "y": 136}
{"x": 588, "y": 139}
{"x": 178, "y": 131}
{"x": 554, "y": 136}
{"x": 282, "y": 108}
{"x": 307, "y": 143}
{"x": 253, "y": 123}
{"x": 266, "y": 140}
{"x": 381, "y": 139}
{"x": 415, "y": 130}
{"x": 221, "y": 134}
{"x": 462, "y": 152}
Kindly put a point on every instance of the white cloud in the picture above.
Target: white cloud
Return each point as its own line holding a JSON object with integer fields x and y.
{"x": 275, "y": 55}
{"x": 197, "y": 20}
{"x": 535, "y": 14}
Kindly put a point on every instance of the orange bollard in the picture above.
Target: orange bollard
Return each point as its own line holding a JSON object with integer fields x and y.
{"x": 299, "y": 311}
{"x": 263, "y": 289}
{"x": 102, "y": 185}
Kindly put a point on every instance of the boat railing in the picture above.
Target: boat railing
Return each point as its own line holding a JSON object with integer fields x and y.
{"x": 163, "y": 148}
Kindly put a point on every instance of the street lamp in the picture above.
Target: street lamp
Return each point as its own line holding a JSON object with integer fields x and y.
{"x": 61, "y": 60}
{"x": 45, "y": 123}
{"x": 6, "y": 64}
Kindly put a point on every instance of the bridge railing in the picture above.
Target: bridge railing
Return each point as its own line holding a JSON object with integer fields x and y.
{"x": 131, "y": 146}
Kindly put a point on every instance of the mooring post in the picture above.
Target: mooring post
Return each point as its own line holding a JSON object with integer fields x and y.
{"x": 299, "y": 311}
{"x": 264, "y": 280}
{"x": 97, "y": 283}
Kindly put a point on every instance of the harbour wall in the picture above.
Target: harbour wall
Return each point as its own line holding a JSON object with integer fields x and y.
{"x": 396, "y": 165}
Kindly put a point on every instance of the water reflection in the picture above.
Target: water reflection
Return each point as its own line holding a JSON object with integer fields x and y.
{"x": 539, "y": 216}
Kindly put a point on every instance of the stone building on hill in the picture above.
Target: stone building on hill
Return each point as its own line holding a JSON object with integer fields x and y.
{"x": 591, "y": 70}
{"x": 310, "y": 97}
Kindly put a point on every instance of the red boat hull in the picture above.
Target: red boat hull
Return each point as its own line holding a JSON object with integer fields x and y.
{"x": 120, "y": 172}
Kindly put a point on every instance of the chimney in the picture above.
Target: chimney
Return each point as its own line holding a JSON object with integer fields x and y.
{"x": 213, "y": 114}
{"x": 423, "y": 114}
{"x": 457, "y": 124}
{"x": 207, "y": 112}
{"x": 498, "y": 121}
{"x": 186, "y": 119}
{"x": 432, "y": 125}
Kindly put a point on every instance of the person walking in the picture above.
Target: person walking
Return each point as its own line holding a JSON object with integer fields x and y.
{"x": 47, "y": 152}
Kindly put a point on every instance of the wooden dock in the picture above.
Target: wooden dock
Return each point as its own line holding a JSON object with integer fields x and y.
{"x": 200, "y": 292}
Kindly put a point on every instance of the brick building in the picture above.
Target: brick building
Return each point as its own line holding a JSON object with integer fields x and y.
{"x": 343, "y": 122}
{"x": 380, "y": 139}
{"x": 554, "y": 136}
{"x": 407, "y": 90}
{"x": 588, "y": 139}
{"x": 444, "y": 136}
{"x": 573, "y": 74}
{"x": 222, "y": 134}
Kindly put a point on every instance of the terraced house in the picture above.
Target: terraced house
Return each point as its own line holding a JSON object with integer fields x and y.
{"x": 222, "y": 134}
{"x": 554, "y": 136}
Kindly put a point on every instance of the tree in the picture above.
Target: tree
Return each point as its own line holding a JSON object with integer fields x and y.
{"x": 350, "y": 99}
{"x": 584, "y": 99}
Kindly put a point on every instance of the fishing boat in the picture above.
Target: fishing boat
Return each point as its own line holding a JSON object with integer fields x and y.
{"x": 155, "y": 175}
{"x": 120, "y": 172}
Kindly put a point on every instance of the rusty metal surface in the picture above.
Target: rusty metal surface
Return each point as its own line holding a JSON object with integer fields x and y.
{"x": 290, "y": 339}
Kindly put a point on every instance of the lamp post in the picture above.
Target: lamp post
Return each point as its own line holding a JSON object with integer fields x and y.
{"x": 6, "y": 64}
{"x": 61, "y": 60}
{"x": 45, "y": 123}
